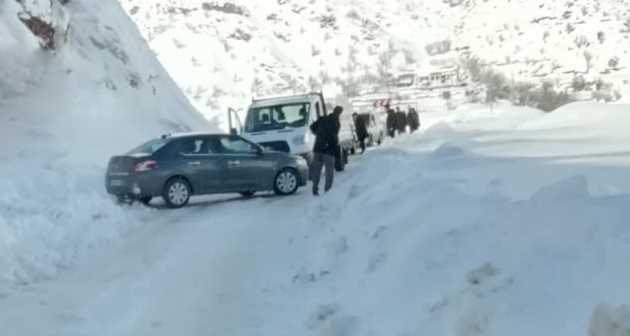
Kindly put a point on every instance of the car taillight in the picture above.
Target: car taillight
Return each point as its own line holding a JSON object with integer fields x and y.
{"x": 145, "y": 166}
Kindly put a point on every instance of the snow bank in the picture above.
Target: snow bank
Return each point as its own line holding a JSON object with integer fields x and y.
{"x": 440, "y": 246}
{"x": 63, "y": 113}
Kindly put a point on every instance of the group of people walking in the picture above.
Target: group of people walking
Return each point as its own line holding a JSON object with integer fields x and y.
{"x": 398, "y": 121}
{"x": 326, "y": 131}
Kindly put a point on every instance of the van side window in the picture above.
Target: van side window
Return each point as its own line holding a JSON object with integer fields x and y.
{"x": 319, "y": 113}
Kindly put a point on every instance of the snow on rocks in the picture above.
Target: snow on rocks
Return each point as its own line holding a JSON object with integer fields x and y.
{"x": 62, "y": 115}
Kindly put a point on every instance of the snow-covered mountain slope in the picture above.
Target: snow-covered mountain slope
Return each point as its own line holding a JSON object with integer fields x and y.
{"x": 508, "y": 222}
{"x": 530, "y": 40}
{"x": 224, "y": 52}
{"x": 68, "y": 101}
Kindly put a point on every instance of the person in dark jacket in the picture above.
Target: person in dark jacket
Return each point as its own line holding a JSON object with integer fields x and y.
{"x": 414, "y": 119}
{"x": 360, "y": 128}
{"x": 390, "y": 122}
{"x": 401, "y": 121}
{"x": 326, "y": 130}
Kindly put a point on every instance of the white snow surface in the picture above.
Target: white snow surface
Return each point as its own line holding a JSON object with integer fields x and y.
{"x": 502, "y": 222}
{"x": 63, "y": 113}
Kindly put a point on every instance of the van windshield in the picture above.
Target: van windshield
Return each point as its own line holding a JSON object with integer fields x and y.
{"x": 277, "y": 117}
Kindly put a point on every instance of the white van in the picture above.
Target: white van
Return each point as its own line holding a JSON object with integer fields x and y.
{"x": 282, "y": 123}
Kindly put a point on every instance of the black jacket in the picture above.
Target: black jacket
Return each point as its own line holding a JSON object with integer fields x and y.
{"x": 391, "y": 120}
{"x": 360, "y": 126}
{"x": 401, "y": 121}
{"x": 326, "y": 130}
{"x": 413, "y": 119}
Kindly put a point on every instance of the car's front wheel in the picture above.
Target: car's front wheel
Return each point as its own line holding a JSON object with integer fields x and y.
{"x": 177, "y": 192}
{"x": 286, "y": 182}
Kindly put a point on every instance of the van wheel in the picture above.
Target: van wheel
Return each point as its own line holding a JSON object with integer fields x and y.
{"x": 177, "y": 192}
{"x": 286, "y": 182}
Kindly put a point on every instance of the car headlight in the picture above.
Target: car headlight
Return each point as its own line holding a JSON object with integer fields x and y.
{"x": 301, "y": 161}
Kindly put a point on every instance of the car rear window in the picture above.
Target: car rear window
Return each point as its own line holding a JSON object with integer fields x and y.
{"x": 150, "y": 147}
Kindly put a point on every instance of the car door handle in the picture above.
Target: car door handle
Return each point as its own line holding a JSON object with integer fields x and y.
{"x": 194, "y": 163}
{"x": 234, "y": 163}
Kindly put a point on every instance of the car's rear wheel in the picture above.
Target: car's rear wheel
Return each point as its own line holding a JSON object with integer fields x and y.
{"x": 177, "y": 192}
{"x": 286, "y": 182}
{"x": 248, "y": 193}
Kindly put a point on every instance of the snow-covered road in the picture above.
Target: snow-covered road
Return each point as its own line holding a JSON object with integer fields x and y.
{"x": 509, "y": 224}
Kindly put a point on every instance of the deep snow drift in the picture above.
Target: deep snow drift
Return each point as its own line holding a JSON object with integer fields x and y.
{"x": 63, "y": 112}
{"x": 510, "y": 222}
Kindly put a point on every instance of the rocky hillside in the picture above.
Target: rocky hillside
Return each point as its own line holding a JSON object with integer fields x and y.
{"x": 78, "y": 84}
{"x": 224, "y": 52}
{"x": 537, "y": 39}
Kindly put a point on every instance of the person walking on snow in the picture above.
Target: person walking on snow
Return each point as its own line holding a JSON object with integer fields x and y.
{"x": 390, "y": 122}
{"x": 401, "y": 121}
{"x": 413, "y": 119}
{"x": 360, "y": 129}
{"x": 326, "y": 130}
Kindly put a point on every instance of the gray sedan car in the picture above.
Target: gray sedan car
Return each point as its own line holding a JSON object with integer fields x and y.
{"x": 176, "y": 167}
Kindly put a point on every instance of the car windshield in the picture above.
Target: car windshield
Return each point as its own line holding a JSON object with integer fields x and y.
{"x": 149, "y": 147}
{"x": 277, "y": 117}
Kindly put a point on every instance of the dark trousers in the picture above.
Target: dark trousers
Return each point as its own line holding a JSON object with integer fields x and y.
{"x": 319, "y": 162}
{"x": 362, "y": 139}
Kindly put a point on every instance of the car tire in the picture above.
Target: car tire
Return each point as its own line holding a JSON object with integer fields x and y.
{"x": 286, "y": 182}
{"x": 248, "y": 194}
{"x": 176, "y": 193}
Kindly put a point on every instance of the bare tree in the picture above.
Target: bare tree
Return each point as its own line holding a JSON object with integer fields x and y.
{"x": 588, "y": 58}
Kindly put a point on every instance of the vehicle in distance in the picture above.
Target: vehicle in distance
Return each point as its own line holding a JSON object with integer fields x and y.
{"x": 176, "y": 167}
